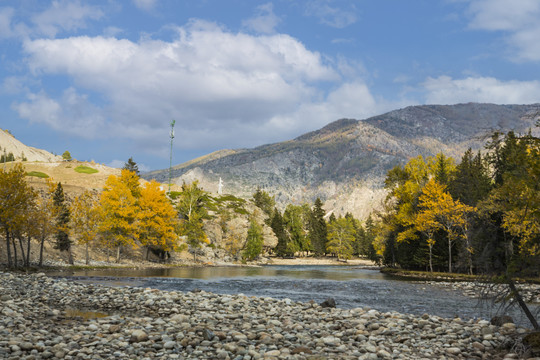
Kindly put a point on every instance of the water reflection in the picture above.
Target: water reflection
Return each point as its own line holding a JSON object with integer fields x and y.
{"x": 338, "y": 273}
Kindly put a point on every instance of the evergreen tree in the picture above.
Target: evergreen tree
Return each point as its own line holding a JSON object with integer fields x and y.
{"x": 254, "y": 242}
{"x": 318, "y": 231}
{"x": 63, "y": 242}
{"x": 279, "y": 230}
{"x": 443, "y": 169}
{"x": 471, "y": 182}
{"x": 264, "y": 201}
{"x": 293, "y": 222}
{"x": 131, "y": 166}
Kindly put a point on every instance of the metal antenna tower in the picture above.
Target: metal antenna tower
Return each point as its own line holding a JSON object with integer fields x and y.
{"x": 170, "y": 163}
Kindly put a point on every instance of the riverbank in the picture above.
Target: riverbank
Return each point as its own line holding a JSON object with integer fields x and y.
{"x": 470, "y": 285}
{"x": 54, "y": 318}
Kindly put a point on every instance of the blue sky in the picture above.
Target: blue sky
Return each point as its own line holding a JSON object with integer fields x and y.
{"x": 103, "y": 79}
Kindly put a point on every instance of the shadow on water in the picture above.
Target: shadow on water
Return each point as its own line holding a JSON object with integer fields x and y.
{"x": 349, "y": 286}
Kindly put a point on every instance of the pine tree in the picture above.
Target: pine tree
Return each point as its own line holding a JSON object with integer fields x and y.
{"x": 279, "y": 230}
{"x": 63, "y": 242}
{"x": 132, "y": 166}
{"x": 471, "y": 182}
{"x": 318, "y": 231}
{"x": 264, "y": 201}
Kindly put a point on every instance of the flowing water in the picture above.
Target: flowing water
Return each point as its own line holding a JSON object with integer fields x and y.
{"x": 349, "y": 286}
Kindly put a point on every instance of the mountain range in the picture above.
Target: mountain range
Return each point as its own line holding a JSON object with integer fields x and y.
{"x": 345, "y": 162}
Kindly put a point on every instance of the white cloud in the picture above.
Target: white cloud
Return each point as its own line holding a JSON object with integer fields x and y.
{"x": 445, "y": 90}
{"x": 65, "y": 15}
{"x": 146, "y": 5}
{"x": 518, "y": 20}
{"x": 218, "y": 85}
{"x": 331, "y": 15}
{"x": 265, "y": 21}
{"x": 6, "y": 16}
{"x": 72, "y": 113}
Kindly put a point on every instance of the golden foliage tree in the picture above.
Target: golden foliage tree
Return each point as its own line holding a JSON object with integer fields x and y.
{"x": 439, "y": 211}
{"x": 16, "y": 201}
{"x": 157, "y": 220}
{"x": 118, "y": 211}
{"x": 85, "y": 220}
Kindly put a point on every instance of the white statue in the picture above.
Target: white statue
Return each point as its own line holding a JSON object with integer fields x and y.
{"x": 220, "y": 187}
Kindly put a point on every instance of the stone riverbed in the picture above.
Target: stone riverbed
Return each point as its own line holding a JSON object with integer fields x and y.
{"x": 45, "y": 318}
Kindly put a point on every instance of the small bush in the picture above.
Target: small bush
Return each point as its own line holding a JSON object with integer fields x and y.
{"x": 38, "y": 174}
{"x": 85, "y": 169}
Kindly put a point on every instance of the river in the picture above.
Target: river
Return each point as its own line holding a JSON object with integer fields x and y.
{"x": 350, "y": 287}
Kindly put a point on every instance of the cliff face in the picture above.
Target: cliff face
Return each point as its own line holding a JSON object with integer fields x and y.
{"x": 345, "y": 162}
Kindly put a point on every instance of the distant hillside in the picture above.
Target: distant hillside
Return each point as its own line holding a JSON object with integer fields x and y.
{"x": 8, "y": 144}
{"x": 345, "y": 162}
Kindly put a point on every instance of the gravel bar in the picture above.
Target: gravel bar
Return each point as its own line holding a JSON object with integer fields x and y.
{"x": 45, "y": 318}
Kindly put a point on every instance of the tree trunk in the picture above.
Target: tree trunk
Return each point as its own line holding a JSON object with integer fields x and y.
{"x": 41, "y": 246}
{"x": 449, "y": 255}
{"x": 70, "y": 256}
{"x": 28, "y": 251}
{"x": 87, "y": 255}
{"x": 8, "y": 249}
{"x": 430, "y": 257}
{"x": 118, "y": 254}
{"x": 23, "y": 253}
{"x": 15, "y": 260}
{"x": 522, "y": 304}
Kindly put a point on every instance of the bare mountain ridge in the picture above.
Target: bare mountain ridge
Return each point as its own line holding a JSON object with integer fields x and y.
{"x": 345, "y": 162}
{"x": 9, "y": 144}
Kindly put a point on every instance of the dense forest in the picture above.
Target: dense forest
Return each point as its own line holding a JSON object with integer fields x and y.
{"x": 479, "y": 216}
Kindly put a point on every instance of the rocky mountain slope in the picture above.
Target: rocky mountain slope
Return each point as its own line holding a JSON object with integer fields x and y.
{"x": 8, "y": 144}
{"x": 345, "y": 162}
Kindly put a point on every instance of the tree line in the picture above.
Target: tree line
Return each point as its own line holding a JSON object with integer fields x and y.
{"x": 306, "y": 230}
{"x": 479, "y": 216}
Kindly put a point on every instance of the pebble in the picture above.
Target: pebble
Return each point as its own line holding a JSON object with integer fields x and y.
{"x": 137, "y": 323}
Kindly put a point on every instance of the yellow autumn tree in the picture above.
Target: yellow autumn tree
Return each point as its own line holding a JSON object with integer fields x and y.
{"x": 426, "y": 219}
{"x": 131, "y": 180}
{"x": 85, "y": 220}
{"x": 16, "y": 200}
{"x": 439, "y": 210}
{"x": 157, "y": 220}
{"x": 118, "y": 211}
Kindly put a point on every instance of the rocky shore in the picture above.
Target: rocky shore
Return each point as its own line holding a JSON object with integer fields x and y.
{"x": 45, "y": 318}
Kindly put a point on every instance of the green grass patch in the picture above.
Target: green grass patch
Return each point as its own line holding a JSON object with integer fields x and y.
{"x": 85, "y": 170}
{"x": 38, "y": 174}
